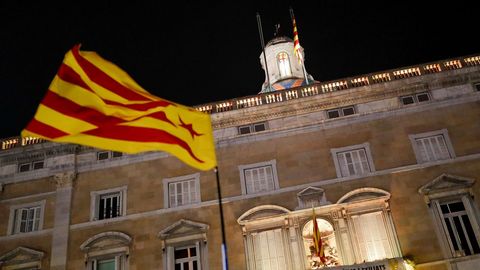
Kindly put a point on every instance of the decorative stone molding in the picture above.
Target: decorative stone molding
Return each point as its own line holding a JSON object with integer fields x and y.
{"x": 65, "y": 179}
{"x": 311, "y": 197}
{"x": 183, "y": 230}
{"x": 106, "y": 241}
{"x": 446, "y": 185}
{"x": 23, "y": 256}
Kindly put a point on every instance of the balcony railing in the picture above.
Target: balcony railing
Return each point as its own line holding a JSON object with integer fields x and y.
{"x": 307, "y": 91}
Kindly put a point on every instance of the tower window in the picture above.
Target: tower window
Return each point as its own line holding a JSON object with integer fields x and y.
{"x": 284, "y": 65}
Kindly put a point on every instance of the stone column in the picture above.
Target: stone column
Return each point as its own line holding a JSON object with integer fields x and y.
{"x": 64, "y": 182}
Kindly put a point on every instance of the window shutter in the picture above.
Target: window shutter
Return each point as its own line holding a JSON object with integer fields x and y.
{"x": 342, "y": 163}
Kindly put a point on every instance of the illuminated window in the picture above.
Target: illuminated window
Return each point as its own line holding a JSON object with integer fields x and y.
{"x": 284, "y": 65}
{"x": 328, "y": 242}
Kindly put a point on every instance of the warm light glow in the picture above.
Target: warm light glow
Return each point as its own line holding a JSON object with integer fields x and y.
{"x": 381, "y": 77}
{"x": 432, "y": 68}
{"x": 328, "y": 239}
{"x": 405, "y": 73}
{"x": 334, "y": 86}
{"x": 454, "y": 64}
{"x": 284, "y": 65}
{"x": 472, "y": 61}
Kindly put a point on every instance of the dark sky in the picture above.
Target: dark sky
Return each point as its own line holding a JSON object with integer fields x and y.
{"x": 192, "y": 52}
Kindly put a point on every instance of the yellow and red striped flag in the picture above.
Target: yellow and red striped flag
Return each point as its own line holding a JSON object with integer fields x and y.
{"x": 93, "y": 102}
{"x": 296, "y": 41}
{"x": 317, "y": 239}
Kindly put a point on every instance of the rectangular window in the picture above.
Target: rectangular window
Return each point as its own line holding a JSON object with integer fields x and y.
{"x": 34, "y": 165}
{"x": 432, "y": 146}
{"x": 109, "y": 205}
{"x": 477, "y": 86}
{"x": 27, "y": 219}
{"x": 256, "y": 127}
{"x": 371, "y": 236}
{"x": 182, "y": 192}
{"x": 187, "y": 258}
{"x": 259, "y": 179}
{"x": 103, "y": 155}
{"x": 345, "y": 111}
{"x": 415, "y": 98}
{"x": 459, "y": 228}
{"x": 108, "y": 263}
{"x": 353, "y": 162}
{"x": 106, "y": 204}
{"x": 269, "y": 250}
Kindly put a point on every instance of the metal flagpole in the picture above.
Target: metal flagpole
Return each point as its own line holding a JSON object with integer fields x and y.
{"x": 297, "y": 41}
{"x": 224, "y": 244}
{"x": 262, "y": 42}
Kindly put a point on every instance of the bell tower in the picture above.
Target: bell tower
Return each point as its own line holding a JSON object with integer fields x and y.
{"x": 285, "y": 70}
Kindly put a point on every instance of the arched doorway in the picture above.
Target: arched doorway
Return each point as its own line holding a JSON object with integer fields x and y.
{"x": 328, "y": 240}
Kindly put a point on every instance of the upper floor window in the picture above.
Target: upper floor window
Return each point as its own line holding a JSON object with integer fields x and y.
{"x": 284, "y": 65}
{"x": 415, "y": 98}
{"x": 26, "y": 217}
{"x": 339, "y": 112}
{"x": 182, "y": 190}
{"x": 455, "y": 215}
{"x": 103, "y": 155}
{"x": 256, "y": 127}
{"x": 431, "y": 146}
{"x": 106, "y": 204}
{"x": 258, "y": 177}
{"x": 29, "y": 166}
{"x": 353, "y": 160}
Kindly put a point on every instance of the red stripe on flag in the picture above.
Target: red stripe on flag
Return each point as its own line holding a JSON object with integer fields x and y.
{"x": 101, "y": 78}
{"x": 72, "y": 109}
{"x": 69, "y": 75}
{"x": 44, "y": 130}
{"x": 141, "y": 134}
{"x": 92, "y": 116}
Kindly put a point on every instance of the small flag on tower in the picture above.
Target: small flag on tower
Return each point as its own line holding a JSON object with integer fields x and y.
{"x": 317, "y": 239}
{"x": 93, "y": 102}
{"x": 296, "y": 41}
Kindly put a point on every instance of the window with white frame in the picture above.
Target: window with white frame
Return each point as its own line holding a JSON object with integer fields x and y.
{"x": 284, "y": 65}
{"x": 353, "y": 160}
{"x": 457, "y": 224}
{"x": 181, "y": 190}
{"x": 112, "y": 262}
{"x": 269, "y": 250}
{"x": 187, "y": 257}
{"x": 26, "y": 218}
{"x": 371, "y": 236}
{"x": 258, "y": 177}
{"x": 455, "y": 215}
{"x": 431, "y": 146}
{"x": 106, "y": 204}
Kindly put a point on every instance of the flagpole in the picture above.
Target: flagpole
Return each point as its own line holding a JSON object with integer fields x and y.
{"x": 292, "y": 16}
{"x": 262, "y": 42}
{"x": 224, "y": 244}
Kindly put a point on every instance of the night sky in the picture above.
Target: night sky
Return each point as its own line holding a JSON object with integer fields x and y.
{"x": 192, "y": 52}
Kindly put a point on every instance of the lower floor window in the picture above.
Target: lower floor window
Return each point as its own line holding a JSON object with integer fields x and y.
{"x": 269, "y": 250}
{"x": 459, "y": 228}
{"x": 108, "y": 263}
{"x": 186, "y": 258}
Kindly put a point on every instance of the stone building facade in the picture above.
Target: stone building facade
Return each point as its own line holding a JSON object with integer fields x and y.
{"x": 388, "y": 163}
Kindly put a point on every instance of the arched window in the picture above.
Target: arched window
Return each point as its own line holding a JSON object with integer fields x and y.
{"x": 328, "y": 242}
{"x": 284, "y": 65}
